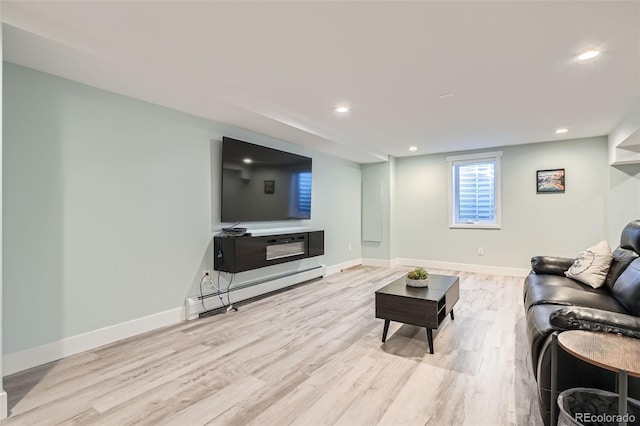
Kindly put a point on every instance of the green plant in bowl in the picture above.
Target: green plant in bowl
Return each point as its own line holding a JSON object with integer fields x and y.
{"x": 418, "y": 274}
{"x": 417, "y": 278}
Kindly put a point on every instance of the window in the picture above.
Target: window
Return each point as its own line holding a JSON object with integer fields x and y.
{"x": 475, "y": 191}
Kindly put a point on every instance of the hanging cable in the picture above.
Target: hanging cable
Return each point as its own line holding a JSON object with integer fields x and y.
{"x": 205, "y": 277}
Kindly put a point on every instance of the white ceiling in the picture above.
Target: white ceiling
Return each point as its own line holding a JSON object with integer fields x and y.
{"x": 279, "y": 68}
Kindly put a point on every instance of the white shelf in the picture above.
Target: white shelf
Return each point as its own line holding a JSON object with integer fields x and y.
{"x": 632, "y": 142}
{"x": 627, "y": 151}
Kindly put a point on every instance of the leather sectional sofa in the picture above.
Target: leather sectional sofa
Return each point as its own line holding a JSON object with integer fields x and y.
{"x": 554, "y": 302}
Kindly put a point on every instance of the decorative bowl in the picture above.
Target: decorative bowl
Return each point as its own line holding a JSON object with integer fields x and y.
{"x": 417, "y": 283}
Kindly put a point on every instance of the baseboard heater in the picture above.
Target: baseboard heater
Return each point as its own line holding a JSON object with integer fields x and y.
{"x": 250, "y": 289}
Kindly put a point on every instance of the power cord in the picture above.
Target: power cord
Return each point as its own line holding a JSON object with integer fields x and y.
{"x": 219, "y": 292}
{"x": 205, "y": 277}
{"x": 229, "y": 306}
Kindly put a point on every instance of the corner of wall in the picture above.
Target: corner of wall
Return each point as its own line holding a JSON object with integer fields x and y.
{"x": 334, "y": 269}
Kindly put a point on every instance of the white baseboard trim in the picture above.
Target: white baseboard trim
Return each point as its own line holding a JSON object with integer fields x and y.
{"x": 464, "y": 267}
{"x": 4, "y": 411}
{"x": 383, "y": 263}
{"x": 28, "y": 358}
{"x": 334, "y": 269}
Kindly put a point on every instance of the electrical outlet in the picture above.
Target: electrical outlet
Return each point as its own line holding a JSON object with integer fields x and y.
{"x": 208, "y": 280}
{"x": 350, "y": 247}
{"x": 480, "y": 251}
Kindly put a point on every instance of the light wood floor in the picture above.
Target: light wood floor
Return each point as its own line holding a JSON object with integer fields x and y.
{"x": 308, "y": 356}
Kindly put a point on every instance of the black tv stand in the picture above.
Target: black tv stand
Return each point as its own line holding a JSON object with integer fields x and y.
{"x": 239, "y": 254}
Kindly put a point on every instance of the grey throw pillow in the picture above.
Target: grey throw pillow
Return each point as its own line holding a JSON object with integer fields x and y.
{"x": 591, "y": 265}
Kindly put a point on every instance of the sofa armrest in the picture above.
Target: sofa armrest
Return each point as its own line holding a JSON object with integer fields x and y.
{"x": 579, "y": 318}
{"x": 551, "y": 265}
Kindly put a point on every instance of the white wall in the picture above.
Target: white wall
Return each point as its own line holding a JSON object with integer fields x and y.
{"x": 111, "y": 204}
{"x": 550, "y": 224}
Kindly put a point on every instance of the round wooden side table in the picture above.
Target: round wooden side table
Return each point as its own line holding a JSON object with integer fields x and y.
{"x": 612, "y": 352}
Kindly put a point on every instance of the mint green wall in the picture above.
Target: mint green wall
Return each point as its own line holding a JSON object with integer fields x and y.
{"x": 553, "y": 224}
{"x": 336, "y": 207}
{"x": 110, "y": 205}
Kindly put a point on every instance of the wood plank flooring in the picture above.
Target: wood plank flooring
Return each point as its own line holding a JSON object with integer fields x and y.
{"x": 311, "y": 355}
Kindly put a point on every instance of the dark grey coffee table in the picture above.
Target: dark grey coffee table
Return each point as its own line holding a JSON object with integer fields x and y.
{"x": 423, "y": 307}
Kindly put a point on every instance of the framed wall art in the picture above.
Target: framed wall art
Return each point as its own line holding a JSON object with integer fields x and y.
{"x": 549, "y": 181}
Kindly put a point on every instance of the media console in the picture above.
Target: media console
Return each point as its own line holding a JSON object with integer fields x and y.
{"x": 238, "y": 254}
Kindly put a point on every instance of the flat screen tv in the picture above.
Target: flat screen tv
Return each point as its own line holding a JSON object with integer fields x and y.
{"x": 263, "y": 184}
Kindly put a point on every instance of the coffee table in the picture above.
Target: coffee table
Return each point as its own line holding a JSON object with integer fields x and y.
{"x": 423, "y": 307}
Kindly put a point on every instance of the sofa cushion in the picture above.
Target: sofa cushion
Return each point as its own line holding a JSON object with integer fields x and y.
{"x": 554, "y": 280}
{"x": 622, "y": 258}
{"x": 567, "y": 296}
{"x": 592, "y": 265}
{"x": 627, "y": 288}
{"x": 534, "y": 279}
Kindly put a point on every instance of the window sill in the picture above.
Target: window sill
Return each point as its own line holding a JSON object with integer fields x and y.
{"x": 474, "y": 226}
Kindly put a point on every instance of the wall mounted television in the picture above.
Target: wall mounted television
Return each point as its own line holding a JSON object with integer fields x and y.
{"x": 263, "y": 184}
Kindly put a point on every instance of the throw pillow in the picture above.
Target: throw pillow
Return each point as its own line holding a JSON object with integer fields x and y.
{"x": 592, "y": 265}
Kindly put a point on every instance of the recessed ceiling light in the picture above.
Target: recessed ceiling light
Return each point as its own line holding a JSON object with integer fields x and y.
{"x": 446, "y": 95}
{"x": 342, "y": 109}
{"x": 247, "y": 161}
{"x": 562, "y": 130}
{"x": 413, "y": 148}
{"x": 588, "y": 54}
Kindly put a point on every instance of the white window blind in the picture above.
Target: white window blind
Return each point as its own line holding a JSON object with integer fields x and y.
{"x": 475, "y": 195}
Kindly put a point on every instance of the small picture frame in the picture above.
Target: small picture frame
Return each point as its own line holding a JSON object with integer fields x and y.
{"x": 550, "y": 181}
{"x": 269, "y": 186}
